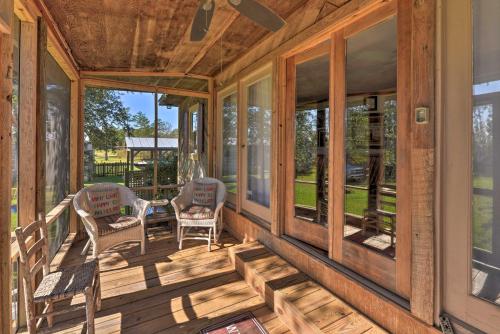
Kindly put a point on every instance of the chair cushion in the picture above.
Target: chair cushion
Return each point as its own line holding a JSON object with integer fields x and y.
{"x": 204, "y": 194}
{"x": 115, "y": 223}
{"x": 104, "y": 202}
{"x": 197, "y": 212}
{"x": 66, "y": 283}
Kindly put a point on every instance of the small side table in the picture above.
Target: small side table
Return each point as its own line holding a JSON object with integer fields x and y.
{"x": 157, "y": 216}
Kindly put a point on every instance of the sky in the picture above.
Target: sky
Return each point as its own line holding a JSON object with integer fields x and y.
{"x": 145, "y": 102}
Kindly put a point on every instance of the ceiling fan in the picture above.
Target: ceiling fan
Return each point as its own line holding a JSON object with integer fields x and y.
{"x": 252, "y": 9}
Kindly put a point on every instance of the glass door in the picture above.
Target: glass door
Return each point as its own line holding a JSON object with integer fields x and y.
{"x": 471, "y": 171}
{"x": 256, "y": 144}
{"x": 308, "y": 135}
{"x": 370, "y": 232}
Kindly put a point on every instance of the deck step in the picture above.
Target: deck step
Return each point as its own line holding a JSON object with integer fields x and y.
{"x": 302, "y": 304}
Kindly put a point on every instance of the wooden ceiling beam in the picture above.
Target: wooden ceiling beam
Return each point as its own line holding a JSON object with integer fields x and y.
{"x": 208, "y": 45}
{"x": 143, "y": 74}
{"x": 113, "y": 84}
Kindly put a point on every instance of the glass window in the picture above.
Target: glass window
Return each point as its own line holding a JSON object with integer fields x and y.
{"x": 58, "y": 91}
{"x": 193, "y": 129}
{"x": 259, "y": 113}
{"x": 370, "y": 138}
{"x": 229, "y": 142}
{"x": 485, "y": 142}
{"x": 312, "y": 131}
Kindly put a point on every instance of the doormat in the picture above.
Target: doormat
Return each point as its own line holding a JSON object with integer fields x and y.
{"x": 245, "y": 323}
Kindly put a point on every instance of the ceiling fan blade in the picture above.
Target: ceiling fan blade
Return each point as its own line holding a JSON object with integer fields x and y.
{"x": 202, "y": 20}
{"x": 258, "y": 13}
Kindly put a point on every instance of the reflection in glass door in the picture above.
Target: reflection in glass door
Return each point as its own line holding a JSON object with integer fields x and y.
{"x": 366, "y": 166}
{"x": 485, "y": 267}
{"x": 308, "y": 130}
{"x": 471, "y": 192}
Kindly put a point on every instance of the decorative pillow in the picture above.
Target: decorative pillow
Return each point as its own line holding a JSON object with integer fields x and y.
{"x": 204, "y": 194}
{"x": 104, "y": 202}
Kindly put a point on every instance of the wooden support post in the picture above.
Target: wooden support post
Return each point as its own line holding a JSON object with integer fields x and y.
{"x": 73, "y": 150}
{"x": 5, "y": 172}
{"x": 41, "y": 114}
{"x": 80, "y": 150}
{"x": 155, "y": 151}
{"x": 210, "y": 129}
{"x": 422, "y": 156}
{"x": 27, "y": 123}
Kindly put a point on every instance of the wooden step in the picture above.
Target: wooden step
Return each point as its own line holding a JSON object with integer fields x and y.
{"x": 302, "y": 304}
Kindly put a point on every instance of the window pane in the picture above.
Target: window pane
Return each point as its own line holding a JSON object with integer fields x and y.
{"x": 370, "y": 138}
{"x": 485, "y": 143}
{"x": 311, "y": 140}
{"x": 168, "y": 154}
{"x": 229, "y": 142}
{"x": 58, "y": 91}
{"x": 16, "y": 34}
{"x": 259, "y": 114}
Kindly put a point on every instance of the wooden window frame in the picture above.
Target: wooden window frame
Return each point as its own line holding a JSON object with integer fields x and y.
{"x": 221, "y": 95}
{"x": 246, "y": 205}
{"x": 317, "y": 234}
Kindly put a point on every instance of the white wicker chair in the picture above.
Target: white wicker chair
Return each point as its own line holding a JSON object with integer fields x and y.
{"x": 185, "y": 199}
{"x": 101, "y": 241}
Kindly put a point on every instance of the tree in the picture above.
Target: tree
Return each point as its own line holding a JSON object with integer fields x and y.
{"x": 143, "y": 127}
{"x": 105, "y": 114}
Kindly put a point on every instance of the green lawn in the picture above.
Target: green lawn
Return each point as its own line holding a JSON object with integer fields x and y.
{"x": 113, "y": 156}
{"x": 482, "y": 214}
{"x": 112, "y": 179}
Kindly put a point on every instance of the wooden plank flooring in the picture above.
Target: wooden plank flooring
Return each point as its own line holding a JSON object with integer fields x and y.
{"x": 303, "y": 304}
{"x": 167, "y": 290}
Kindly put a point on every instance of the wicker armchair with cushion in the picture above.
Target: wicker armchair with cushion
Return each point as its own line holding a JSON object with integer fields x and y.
{"x": 199, "y": 205}
{"x": 100, "y": 205}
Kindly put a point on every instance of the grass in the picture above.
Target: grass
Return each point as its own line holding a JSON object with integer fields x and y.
{"x": 112, "y": 179}
{"x": 113, "y": 156}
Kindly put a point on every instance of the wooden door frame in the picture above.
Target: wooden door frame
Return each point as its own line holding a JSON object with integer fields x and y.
{"x": 457, "y": 195}
{"x": 317, "y": 234}
{"x": 219, "y": 118}
{"x": 247, "y": 205}
{"x": 393, "y": 274}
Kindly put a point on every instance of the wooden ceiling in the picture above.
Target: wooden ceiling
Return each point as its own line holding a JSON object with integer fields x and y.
{"x": 153, "y": 35}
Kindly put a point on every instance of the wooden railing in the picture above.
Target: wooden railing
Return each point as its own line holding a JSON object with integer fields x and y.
{"x": 51, "y": 217}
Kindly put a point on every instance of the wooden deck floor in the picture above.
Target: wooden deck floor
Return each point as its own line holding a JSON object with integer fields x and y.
{"x": 167, "y": 290}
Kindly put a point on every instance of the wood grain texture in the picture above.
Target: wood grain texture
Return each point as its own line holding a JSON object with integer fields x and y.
{"x": 5, "y": 172}
{"x": 404, "y": 162}
{"x": 27, "y": 123}
{"x": 73, "y": 150}
{"x": 423, "y": 151}
{"x": 154, "y": 34}
{"x": 297, "y": 300}
{"x": 302, "y": 31}
{"x": 385, "y": 313}
{"x": 41, "y": 115}
{"x": 167, "y": 290}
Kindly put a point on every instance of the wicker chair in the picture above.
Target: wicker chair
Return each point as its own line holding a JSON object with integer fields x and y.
{"x": 57, "y": 285}
{"x": 110, "y": 231}
{"x": 192, "y": 216}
